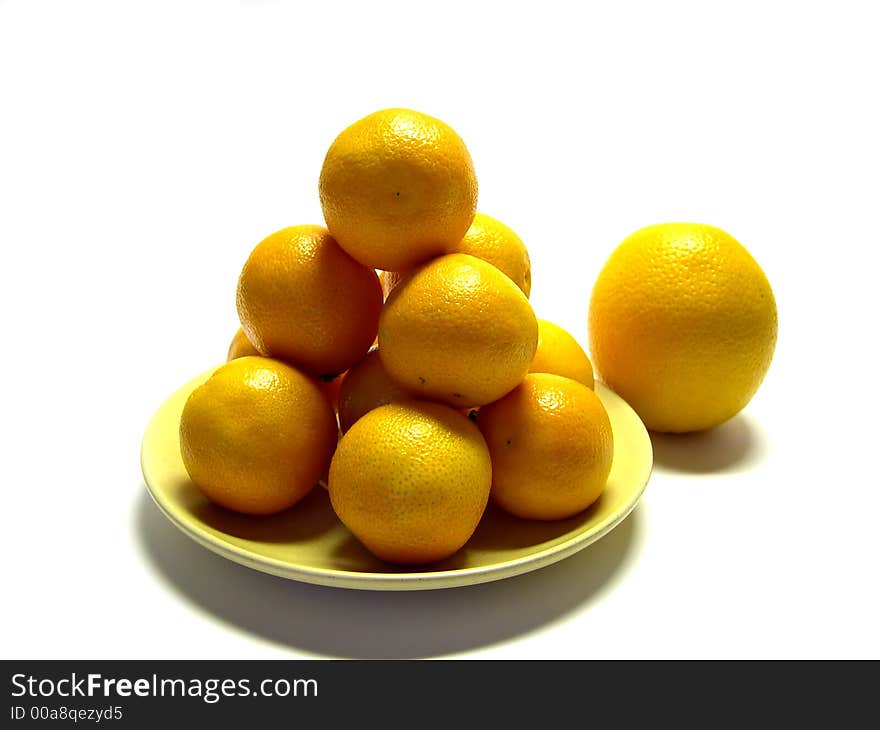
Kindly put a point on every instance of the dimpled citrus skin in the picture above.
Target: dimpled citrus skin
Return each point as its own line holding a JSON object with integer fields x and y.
{"x": 367, "y": 386}
{"x": 682, "y": 324}
{"x": 303, "y": 300}
{"x": 257, "y": 435}
{"x": 551, "y": 446}
{"x": 240, "y": 346}
{"x": 397, "y": 187}
{"x": 411, "y": 481}
{"x": 459, "y": 331}
{"x": 491, "y": 240}
{"x": 559, "y": 353}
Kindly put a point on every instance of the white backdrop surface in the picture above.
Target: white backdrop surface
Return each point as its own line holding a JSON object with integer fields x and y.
{"x": 146, "y": 147}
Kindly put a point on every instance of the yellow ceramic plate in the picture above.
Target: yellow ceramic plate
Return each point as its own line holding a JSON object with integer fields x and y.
{"x": 308, "y": 543}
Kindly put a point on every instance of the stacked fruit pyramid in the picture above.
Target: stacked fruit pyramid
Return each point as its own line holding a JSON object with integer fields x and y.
{"x": 393, "y": 356}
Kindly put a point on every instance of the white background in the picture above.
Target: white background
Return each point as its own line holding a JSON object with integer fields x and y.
{"x": 146, "y": 147}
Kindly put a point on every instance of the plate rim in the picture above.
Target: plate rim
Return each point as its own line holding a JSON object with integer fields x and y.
{"x": 397, "y": 581}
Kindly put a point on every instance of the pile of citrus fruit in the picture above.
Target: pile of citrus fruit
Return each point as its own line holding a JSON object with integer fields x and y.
{"x": 393, "y": 356}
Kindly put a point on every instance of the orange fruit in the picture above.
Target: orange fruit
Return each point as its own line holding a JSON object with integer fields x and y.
{"x": 682, "y": 325}
{"x": 366, "y": 386}
{"x": 330, "y": 388}
{"x": 240, "y": 346}
{"x": 559, "y": 353}
{"x": 459, "y": 331}
{"x": 303, "y": 300}
{"x": 489, "y": 239}
{"x": 411, "y": 481}
{"x": 397, "y": 187}
{"x": 257, "y": 435}
{"x": 325, "y": 477}
{"x": 551, "y": 445}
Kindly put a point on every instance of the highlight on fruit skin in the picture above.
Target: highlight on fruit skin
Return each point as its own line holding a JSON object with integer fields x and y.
{"x": 457, "y": 330}
{"x": 411, "y": 481}
{"x": 551, "y": 445}
{"x": 490, "y": 240}
{"x": 498, "y": 244}
{"x": 682, "y": 325}
{"x": 389, "y": 280}
{"x": 397, "y": 188}
{"x": 241, "y": 347}
{"x": 257, "y": 435}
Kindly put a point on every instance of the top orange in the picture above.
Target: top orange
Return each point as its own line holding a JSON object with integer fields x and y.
{"x": 398, "y": 188}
